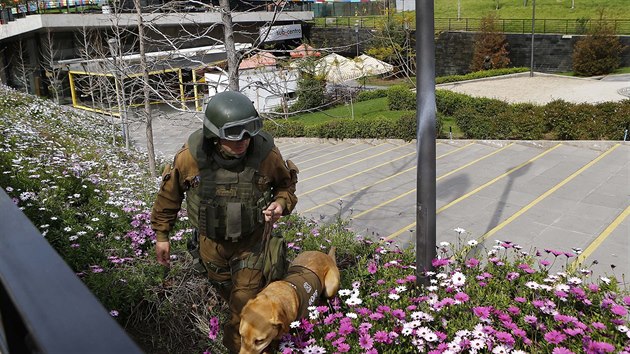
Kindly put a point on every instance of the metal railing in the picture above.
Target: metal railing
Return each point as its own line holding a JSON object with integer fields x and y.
{"x": 543, "y": 26}
{"x": 44, "y": 307}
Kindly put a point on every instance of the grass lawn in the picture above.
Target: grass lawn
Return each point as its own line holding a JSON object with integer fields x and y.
{"x": 362, "y": 110}
{"x": 545, "y": 9}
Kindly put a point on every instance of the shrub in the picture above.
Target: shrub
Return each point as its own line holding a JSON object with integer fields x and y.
{"x": 490, "y": 49}
{"x": 285, "y": 128}
{"x": 598, "y": 53}
{"x": 401, "y": 98}
{"x": 479, "y": 75}
{"x": 371, "y": 94}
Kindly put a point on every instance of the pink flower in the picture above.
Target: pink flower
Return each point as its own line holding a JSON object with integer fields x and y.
{"x": 366, "y": 342}
{"x": 555, "y": 337}
{"x": 472, "y": 263}
{"x": 618, "y": 310}
{"x": 440, "y": 262}
{"x": 598, "y": 325}
{"x": 599, "y": 348}
{"x": 372, "y": 268}
{"x": 561, "y": 350}
{"x": 462, "y": 297}
{"x": 381, "y": 337}
{"x": 482, "y": 312}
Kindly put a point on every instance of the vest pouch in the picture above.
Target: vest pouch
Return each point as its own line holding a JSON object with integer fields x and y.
{"x": 208, "y": 222}
{"x": 240, "y": 221}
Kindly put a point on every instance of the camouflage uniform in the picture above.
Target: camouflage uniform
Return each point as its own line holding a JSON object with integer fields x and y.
{"x": 220, "y": 255}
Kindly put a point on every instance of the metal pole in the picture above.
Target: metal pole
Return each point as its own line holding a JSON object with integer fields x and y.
{"x": 531, "y": 70}
{"x": 425, "y": 115}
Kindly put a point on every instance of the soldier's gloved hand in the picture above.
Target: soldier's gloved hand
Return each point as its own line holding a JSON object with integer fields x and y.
{"x": 273, "y": 212}
{"x": 163, "y": 252}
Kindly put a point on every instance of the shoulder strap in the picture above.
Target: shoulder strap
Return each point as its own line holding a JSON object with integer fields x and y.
{"x": 263, "y": 143}
{"x": 198, "y": 146}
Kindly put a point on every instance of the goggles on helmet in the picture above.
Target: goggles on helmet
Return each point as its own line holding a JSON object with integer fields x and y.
{"x": 235, "y": 131}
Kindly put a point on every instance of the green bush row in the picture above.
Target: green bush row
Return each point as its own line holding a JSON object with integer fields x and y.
{"x": 483, "y": 118}
{"x": 479, "y": 75}
{"x": 478, "y": 118}
{"x": 376, "y": 128}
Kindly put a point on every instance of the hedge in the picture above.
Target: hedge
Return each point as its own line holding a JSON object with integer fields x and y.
{"x": 478, "y": 118}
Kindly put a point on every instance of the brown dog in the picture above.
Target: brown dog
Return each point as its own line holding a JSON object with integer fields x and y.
{"x": 267, "y": 317}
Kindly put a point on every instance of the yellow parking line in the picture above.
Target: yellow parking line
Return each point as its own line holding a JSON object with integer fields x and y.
{"x": 546, "y": 194}
{"x": 343, "y": 157}
{"x": 326, "y": 154}
{"x": 354, "y": 175}
{"x": 355, "y": 162}
{"x": 403, "y": 229}
{"x": 600, "y": 239}
{"x": 437, "y": 179}
{"x": 333, "y": 200}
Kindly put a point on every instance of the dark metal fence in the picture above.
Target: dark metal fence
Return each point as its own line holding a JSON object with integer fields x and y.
{"x": 545, "y": 26}
{"x": 44, "y": 307}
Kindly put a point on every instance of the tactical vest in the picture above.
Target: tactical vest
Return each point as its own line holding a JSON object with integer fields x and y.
{"x": 307, "y": 285}
{"x": 228, "y": 205}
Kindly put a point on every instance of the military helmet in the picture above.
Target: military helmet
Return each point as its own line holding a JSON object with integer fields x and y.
{"x": 230, "y": 115}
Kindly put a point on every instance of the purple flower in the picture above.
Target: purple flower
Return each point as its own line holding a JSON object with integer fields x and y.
{"x": 482, "y": 311}
{"x": 598, "y": 325}
{"x": 599, "y": 348}
{"x": 505, "y": 337}
{"x": 372, "y": 268}
{"x": 555, "y": 337}
{"x": 530, "y": 319}
{"x": 512, "y": 276}
{"x": 561, "y": 350}
{"x": 440, "y": 262}
{"x": 573, "y": 331}
{"x": 520, "y": 300}
{"x": 381, "y": 337}
{"x": 366, "y": 342}
{"x": 472, "y": 263}
{"x": 544, "y": 263}
{"x": 618, "y": 310}
{"x": 626, "y": 300}
{"x": 461, "y": 297}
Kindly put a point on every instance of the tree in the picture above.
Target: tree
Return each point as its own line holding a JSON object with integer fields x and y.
{"x": 22, "y": 69}
{"x": 53, "y": 71}
{"x": 392, "y": 43}
{"x": 599, "y": 52}
{"x": 490, "y": 48}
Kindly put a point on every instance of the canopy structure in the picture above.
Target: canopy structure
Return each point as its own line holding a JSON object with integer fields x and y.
{"x": 335, "y": 67}
{"x": 258, "y": 60}
{"x": 339, "y": 69}
{"x": 304, "y": 50}
{"x": 371, "y": 66}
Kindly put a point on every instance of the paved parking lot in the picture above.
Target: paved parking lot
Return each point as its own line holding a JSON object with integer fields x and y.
{"x": 555, "y": 195}
{"x": 543, "y": 195}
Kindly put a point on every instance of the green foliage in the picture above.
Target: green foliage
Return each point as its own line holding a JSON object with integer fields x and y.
{"x": 401, "y": 98}
{"x": 284, "y": 127}
{"x": 311, "y": 87}
{"x": 490, "y": 49}
{"x": 599, "y": 52}
{"x": 479, "y": 75}
{"x": 391, "y": 42}
{"x": 371, "y": 94}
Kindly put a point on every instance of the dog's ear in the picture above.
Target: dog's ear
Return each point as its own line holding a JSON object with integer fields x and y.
{"x": 280, "y": 320}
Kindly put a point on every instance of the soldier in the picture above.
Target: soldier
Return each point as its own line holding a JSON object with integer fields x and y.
{"x": 235, "y": 180}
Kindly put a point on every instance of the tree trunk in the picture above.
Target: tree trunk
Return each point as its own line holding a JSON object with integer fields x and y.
{"x": 230, "y": 47}
{"x": 146, "y": 92}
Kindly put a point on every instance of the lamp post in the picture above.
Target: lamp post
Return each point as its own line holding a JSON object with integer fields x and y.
{"x": 113, "y": 50}
{"x": 356, "y": 31}
{"x": 531, "y": 70}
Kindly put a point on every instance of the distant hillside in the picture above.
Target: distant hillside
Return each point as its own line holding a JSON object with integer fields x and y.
{"x": 545, "y": 9}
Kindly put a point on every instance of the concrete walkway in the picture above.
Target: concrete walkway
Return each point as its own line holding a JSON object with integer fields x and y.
{"x": 560, "y": 195}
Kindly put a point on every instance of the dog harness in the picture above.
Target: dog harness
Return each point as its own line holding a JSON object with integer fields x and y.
{"x": 307, "y": 285}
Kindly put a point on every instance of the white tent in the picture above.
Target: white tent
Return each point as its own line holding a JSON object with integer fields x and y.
{"x": 371, "y": 66}
{"x": 339, "y": 69}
